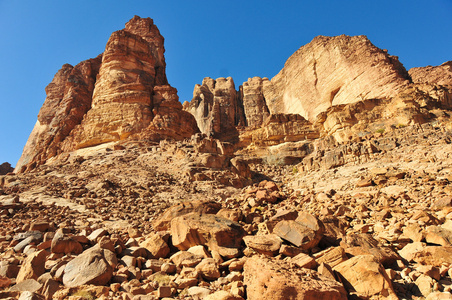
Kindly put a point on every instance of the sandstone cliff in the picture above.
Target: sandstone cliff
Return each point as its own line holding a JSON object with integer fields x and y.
{"x": 68, "y": 99}
{"x": 120, "y": 94}
{"x": 440, "y": 75}
{"x": 332, "y": 71}
{"x": 217, "y": 108}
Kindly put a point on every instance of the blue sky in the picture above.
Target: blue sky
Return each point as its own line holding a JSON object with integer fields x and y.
{"x": 240, "y": 39}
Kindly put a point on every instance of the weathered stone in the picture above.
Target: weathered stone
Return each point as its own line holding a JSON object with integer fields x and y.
{"x": 267, "y": 279}
{"x": 216, "y": 108}
{"x": 65, "y": 244}
{"x": 208, "y": 268}
{"x": 433, "y": 255}
{"x": 30, "y": 285}
{"x": 68, "y": 99}
{"x": 90, "y": 267}
{"x": 123, "y": 92}
{"x": 298, "y": 234}
{"x": 441, "y": 75}
{"x": 303, "y": 260}
{"x": 155, "y": 244}
{"x": 185, "y": 258}
{"x": 218, "y": 234}
{"x": 33, "y": 266}
{"x": 364, "y": 244}
{"x": 438, "y": 235}
{"x": 204, "y": 207}
{"x": 319, "y": 75}
{"x": 332, "y": 256}
{"x": 266, "y": 244}
{"x": 365, "y": 275}
{"x": 254, "y": 104}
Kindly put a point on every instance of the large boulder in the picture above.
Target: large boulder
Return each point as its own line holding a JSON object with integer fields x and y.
{"x": 90, "y": 267}
{"x": 304, "y": 232}
{"x": 219, "y": 234}
{"x": 201, "y": 207}
{"x": 365, "y": 275}
{"x": 275, "y": 279}
{"x": 33, "y": 266}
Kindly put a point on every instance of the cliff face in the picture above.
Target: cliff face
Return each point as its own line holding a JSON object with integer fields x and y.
{"x": 217, "y": 108}
{"x": 332, "y": 71}
{"x": 120, "y": 94}
{"x": 69, "y": 97}
{"x": 440, "y": 75}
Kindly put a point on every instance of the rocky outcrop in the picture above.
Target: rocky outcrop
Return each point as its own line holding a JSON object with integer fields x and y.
{"x": 131, "y": 95}
{"x": 440, "y": 75}
{"x": 217, "y": 108}
{"x": 120, "y": 94}
{"x": 332, "y": 71}
{"x": 69, "y": 97}
{"x": 254, "y": 104}
{"x": 5, "y": 168}
{"x": 326, "y": 87}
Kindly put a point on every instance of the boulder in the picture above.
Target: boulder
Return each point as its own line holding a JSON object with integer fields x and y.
{"x": 267, "y": 278}
{"x": 30, "y": 285}
{"x": 219, "y": 234}
{"x": 204, "y": 207}
{"x": 433, "y": 255}
{"x": 332, "y": 256}
{"x": 209, "y": 269}
{"x": 365, "y": 244}
{"x": 438, "y": 235}
{"x": 305, "y": 232}
{"x": 268, "y": 244}
{"x": 365, "y": 275}
{"x": 90, "y": 267}
{"x": 33, "y": 266}
{"x": 65, "y": 244}
{"x": 156, "y": 245}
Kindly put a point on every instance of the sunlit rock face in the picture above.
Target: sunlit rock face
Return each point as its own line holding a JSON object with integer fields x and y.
{"x": 440, "y": 75}
{"x": 217, "y": 108}
{"x": 332, "y": 71}
{"x": 120, "y": 94}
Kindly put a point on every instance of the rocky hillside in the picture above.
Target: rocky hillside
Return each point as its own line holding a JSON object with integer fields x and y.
{"x": 332, "y": 180}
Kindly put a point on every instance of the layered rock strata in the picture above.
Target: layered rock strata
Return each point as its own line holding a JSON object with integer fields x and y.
{"x": 120, "y": 94}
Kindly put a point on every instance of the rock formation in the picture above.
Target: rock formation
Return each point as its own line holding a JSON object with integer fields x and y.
{"x": 68, "y": 99}
{"x": 332, "y": 71}
{"x": 363, "y": 212}
{"x": 5, "y": 168}
{"x": 254, "y": 104}
{"x": 122, "y": 93}
{"x": 325, "y": 88}
{"x": 217, "y": 108}
{"x": 439, "y": 75}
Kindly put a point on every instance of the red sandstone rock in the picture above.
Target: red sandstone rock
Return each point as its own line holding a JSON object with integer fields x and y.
{"x": 441, "y": 75}
{"x": 122, "y": 93}
{"x": 268, "y": 279}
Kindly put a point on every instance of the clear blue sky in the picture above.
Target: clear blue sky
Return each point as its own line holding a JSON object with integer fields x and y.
{"x": 240, "y": 39}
